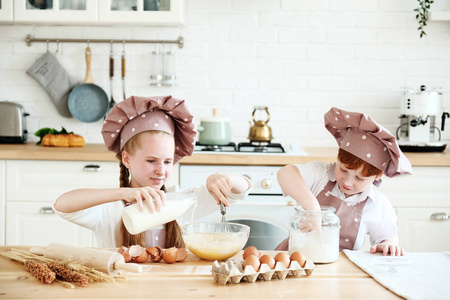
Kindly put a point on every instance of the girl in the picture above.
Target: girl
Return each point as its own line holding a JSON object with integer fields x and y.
{"x": 366, "y": 152}
{"x": 149, "y": 136}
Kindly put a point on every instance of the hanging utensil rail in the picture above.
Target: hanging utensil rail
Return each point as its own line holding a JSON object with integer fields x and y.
{"x": 30, "y": 39}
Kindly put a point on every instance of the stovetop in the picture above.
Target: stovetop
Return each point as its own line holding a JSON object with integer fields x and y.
{"x": 248, "y": 147}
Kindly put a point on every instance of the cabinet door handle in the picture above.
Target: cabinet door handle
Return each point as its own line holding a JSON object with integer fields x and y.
{"x": 46, "y": 210}
{"x": 439, "y": 216}
{"x": 92, "y": 168}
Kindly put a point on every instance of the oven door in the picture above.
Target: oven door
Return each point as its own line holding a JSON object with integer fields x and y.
{"x": 267, "y": 215}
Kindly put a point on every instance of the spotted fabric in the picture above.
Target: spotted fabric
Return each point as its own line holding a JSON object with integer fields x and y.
{"x": 137, "y": 114}
{"x": 360, "y": 135}
{"x": 349, "y": 215}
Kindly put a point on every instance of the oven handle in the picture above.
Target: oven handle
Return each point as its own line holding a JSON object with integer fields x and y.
{"x": 288, "y": 203}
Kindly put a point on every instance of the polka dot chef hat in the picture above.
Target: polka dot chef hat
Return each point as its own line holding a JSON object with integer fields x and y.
{"x": 360, "y": 135}
{"x": 137, "y": 114}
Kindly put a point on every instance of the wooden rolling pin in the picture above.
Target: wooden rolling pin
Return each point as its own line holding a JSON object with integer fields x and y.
{"x": 101, "y": 260}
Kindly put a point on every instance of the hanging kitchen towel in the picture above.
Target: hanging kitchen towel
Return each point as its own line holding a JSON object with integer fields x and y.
{"x": 55, "y": 80}
{"x": 413, "y": 276}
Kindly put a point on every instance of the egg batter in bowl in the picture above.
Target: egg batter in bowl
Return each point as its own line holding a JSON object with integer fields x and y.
{"x": 207, "y": 242}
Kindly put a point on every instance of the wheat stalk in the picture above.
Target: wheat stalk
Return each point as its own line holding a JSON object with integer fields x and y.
{"x": 67, "y": 273}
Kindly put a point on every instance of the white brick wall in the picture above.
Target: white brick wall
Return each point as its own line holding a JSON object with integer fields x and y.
{"x": 298, "y": 57}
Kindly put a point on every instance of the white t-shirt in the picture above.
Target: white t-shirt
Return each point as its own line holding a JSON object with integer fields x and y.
{"x": 104, "y": 219}
{"x": 378, "y": 218}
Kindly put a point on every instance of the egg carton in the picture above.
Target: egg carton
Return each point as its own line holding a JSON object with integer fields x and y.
{"x": 232, "y": 272}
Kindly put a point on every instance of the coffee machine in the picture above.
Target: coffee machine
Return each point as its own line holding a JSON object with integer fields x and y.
{"x": 418, "y": 131}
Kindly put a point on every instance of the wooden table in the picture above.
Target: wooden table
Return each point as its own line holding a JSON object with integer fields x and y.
{"x": 192, "y": 279}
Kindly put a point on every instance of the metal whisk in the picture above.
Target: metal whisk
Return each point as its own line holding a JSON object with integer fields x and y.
{"x": 224, "y": 226}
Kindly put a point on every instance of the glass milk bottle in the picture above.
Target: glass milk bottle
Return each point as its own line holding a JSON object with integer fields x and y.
{"x": 315, "y": 234}
{"x": 137, "y": 221}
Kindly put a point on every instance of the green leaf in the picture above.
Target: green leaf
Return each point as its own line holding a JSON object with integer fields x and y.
{"x": 46, "y": 130}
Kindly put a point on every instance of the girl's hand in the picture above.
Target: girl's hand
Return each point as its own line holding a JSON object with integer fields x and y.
{"x": 154, "y": 198}
{"x": 388, "y": 248}
{"x": 219, "y": 186}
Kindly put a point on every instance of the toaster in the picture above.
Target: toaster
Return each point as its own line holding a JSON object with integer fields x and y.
{"x": 13, "y": 126}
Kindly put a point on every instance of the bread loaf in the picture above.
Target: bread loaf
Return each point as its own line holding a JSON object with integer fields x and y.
{"x": 63, "y": 140}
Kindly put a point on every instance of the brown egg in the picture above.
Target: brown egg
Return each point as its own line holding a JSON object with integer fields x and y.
{"x": 181, "y": 254}
{"x": 253, "y": 261}
{"x": 170, "y": 255}
{"x": 299, "y": 257}
{"x": 251, "y": 250}
{"x": 268, "y": 260}
{"x": 283, "y": 258}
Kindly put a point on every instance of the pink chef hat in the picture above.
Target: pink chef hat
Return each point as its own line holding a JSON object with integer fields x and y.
{"x": 137, "y": 114}
{"x": 358, "y": 134}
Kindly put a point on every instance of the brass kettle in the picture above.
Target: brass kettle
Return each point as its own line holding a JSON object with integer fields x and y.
{"x": 260, "y": 131}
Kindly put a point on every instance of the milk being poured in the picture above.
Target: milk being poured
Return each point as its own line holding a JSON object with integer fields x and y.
{"x": 176, "y": 205}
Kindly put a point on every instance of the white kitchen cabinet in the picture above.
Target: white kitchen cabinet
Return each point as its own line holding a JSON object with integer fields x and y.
{"x": 56, "y": 11}
{"x": 416, "y": 198}
{"x": 2, "y": 200}
{"x": 424, "y": 229}
{"x": 31, "y": 188}
{"x": 155, "y": 12}
{"x": 93, "y": 12}
{"x": 6, "y": 10}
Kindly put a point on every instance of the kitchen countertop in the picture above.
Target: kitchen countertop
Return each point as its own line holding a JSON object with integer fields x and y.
{"x": 98, "y": 152}
{"x": 192, "y": 279}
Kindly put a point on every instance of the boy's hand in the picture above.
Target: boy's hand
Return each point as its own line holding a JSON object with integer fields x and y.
{"x": 388, "y": 248}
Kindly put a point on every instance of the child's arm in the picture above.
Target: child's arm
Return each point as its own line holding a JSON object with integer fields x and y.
{"x": 221, "y": 186}
{"x": 84, "y": 198}
{"x": 293, "y": 185}
{"x": 388, "y": 247}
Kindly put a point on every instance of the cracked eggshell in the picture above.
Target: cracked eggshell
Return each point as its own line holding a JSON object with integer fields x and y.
{"x": 170, "y": 255}
{"x": 181, "y": 254}
{"x": 138, "y": 253}
{"x": 155, "y": 253}
{"x": 126, "y": 255}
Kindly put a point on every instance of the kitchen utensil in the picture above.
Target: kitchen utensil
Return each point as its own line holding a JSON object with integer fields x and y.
{"x": 260, "y": 131}
{"x": 88, "y": 102}
{"x": 224, "y": 228}
{"x": 137, "y": 221}
{"x": 111, "y": 77}
{"x": 55, "y": 80}
{"x": 13, "y": 126}
{"x": 101, "y": 260}
{"x": 215, "y": 130}
{"x": 203, "y": 240}
{"x": 123, "y": 72}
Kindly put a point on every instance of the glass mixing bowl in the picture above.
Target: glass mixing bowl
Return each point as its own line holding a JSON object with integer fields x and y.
{"x": 208, "y": 241}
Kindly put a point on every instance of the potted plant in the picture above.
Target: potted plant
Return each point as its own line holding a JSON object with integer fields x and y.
{"x": 422, "y": 14}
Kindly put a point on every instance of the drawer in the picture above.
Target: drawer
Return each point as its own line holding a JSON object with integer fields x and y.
{"x": 36, "y": 224}
{"x": 37, "y": 181}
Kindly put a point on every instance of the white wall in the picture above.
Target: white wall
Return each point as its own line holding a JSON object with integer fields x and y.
{"x": 298, "y": 57}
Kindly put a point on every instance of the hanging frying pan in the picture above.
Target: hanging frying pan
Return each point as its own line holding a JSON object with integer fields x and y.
{"x": 88, "y": 102}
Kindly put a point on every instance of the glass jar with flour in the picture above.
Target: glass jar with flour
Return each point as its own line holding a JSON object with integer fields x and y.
{"x": 315, "y": 234}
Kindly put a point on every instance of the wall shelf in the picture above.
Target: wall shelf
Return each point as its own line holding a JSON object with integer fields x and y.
{"x": 439, "y": 16}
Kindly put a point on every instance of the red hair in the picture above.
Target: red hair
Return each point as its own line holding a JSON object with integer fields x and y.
{"x": 355, "y": 163}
